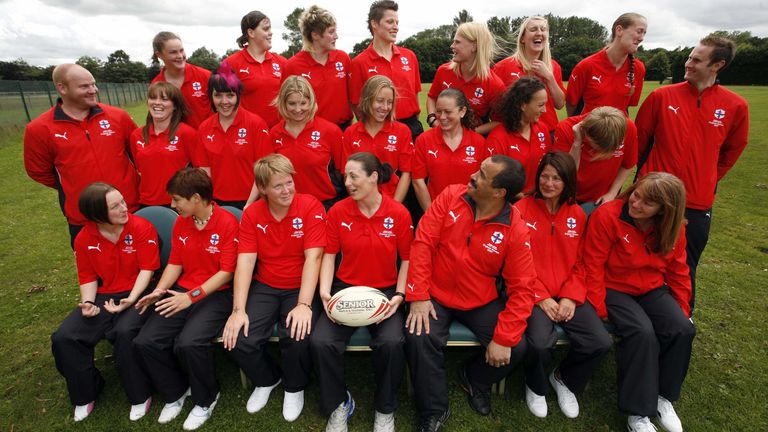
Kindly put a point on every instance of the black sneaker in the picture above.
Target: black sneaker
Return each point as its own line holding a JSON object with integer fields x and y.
{"x": 479, "y": 400}
{"x": 435, "y": 422}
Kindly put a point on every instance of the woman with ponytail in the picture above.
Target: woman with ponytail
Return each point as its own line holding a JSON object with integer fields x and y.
{"x": 613, "y": 76}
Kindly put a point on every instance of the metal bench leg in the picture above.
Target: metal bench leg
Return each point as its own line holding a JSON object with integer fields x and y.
{"x": 244, "y": 380}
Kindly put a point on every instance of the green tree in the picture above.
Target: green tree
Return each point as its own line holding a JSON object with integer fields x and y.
{"x": 204, "y": 58}
{"x": 229, "y": 53}
{"x": 565, "y": 29}
{"x": 19, "y": 69}
{"x": 463, "y": 17}
{"x": 94, "y": 65}
{"x": 658, "y": 67}
{"x": 292, "y": 33}
{"x": 360, "y": 47}
{"x": 431, "y": 52}
{"x": 571, "y": 51}
{"x": 120, "y": 69}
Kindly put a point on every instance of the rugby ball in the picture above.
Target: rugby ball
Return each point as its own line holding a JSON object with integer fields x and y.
{"x": 358, "y": 306}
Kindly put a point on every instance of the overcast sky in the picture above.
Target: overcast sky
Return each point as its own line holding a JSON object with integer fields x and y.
{"x": 45, "y": 32}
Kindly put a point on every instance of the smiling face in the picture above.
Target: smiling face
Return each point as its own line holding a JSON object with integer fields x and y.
{"x": 640, "y": 208}
{"x": 117, "y": 209}
{"x": 382, "y": 104}
{"x": 448, "y": 113}
{"x": 160, "y": 107}
{"x": 225, "y": 103}
{"x": 630, "y": 38}
{"x": 297, "y": 107}
{"x": 359, "y": 184}
{"x": 698, "y": 67}
{"x": 78, "y": 88}
{"x": 535, "y": 107}
{"x": 480, "y": 186}
{"x": 535, "y": 37}
{"x": 551, "y": 185}
{"x": 387, "y": 27}
{"x": 173, "y": 55}
{"x": 280, "y": 191}
{"x": 260, "y": 37}
{"x": 463, "y": 50}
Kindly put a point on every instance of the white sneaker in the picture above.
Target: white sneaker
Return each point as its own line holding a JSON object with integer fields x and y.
{"x": 536, "y": 404}
{"x": 569, "y": 405}
{"x": 140, "y": 410}
{"x": 173, "y": 409}
{"x": 384, "y": 422}
{"x": 640, "y": 424}
{"x": 259, "y": 398}
{"x": 199, "y": 415}
{"x": 667, "y": 416}
{"x": 83, "y": 411}
{"x": 337, "y": 422}
{"x": 293, "y": 403}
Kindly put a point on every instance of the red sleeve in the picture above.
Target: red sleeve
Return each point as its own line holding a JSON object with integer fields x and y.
{"x": 574, "y": 286}
{"x": 563, "y": 137}
{"x": 645, "y": 122}
{"x": 494, "y": 143}
{"x": 176, "y": 244}
{"x": 417, "y": 80}
{"x": 356, "y": 79}
{"x": 38, "y": 156}
{"x": 419, "y": 167}
{"x": 735, "y": 142}
{"x": 228, "y": 247}
{"x": 128, "y": 126}
{"x": 435, "y": 89}
{"x": 405, "y": 234}
{"x": 264, "y": 145}
{"x": 519, "y": 275}
{"x": 639, "y": 81}
{"x": 85, "y": 271}
{"x": 146, "y": 246}
{"x": 315, "y": 221}
{"x": 424, "y": 246}
{"x": 405, "y": 158}
{"x": 333, "y": 245}
{"x": 677, "y": 275}
{"x": 557, "y": 72}
{"x": 576, "y": 84}
{"x": 597, "y": 246}
{"x": 630, "y": 146}
{"x": 337, "y": 147}
{"x": 248, "y": 240}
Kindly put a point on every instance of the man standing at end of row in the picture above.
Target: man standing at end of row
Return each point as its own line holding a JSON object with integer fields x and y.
{"x": 695, "y": 130}
{"x": 469, "y": 236}
{"x": 80, "y": 141}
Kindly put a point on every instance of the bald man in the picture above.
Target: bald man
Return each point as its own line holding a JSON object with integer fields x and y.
{"x": 80, "y": 141}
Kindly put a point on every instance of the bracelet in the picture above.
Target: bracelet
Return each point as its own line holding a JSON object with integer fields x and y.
{"x": 196, "y": 294}
{"x": 398, "y": 294}
{"x": 305, "y": 304}
{"x": 431, "y": 118}
{"x": 91, "y": 302}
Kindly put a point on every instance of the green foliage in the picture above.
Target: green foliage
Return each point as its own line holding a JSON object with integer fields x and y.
{"x": 360, "y": 47}
{"x": 431, "y": 54}
{"x": 293, "y": 33}
{"x": 571, "y": 51}
{"x": 562, "y": 30}
{"x": 94, "y": 65}
{"x": 20, "y": 70}
{"x": 229, "y": 53}
{"x": 120, "y": 69}
{"x": 463, "y": 17}
{"x": 658, "y": 67}
{"x": 205, "y": 58}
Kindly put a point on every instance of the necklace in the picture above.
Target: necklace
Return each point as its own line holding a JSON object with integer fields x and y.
{"x": 201, "y": 222}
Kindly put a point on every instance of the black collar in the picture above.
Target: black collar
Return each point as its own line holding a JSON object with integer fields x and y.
{"x": 504, "y": 217}
{"x": 60, "y": 115}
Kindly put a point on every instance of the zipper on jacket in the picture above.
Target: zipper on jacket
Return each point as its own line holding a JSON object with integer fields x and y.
{"x": 553, "y": 228}
{"x": 87, "y": 135}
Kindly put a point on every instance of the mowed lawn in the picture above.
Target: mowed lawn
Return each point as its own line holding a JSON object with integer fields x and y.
{"x": 724, "y": 390}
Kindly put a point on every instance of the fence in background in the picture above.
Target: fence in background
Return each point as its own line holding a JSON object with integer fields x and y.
{"x": 21, "y": 101}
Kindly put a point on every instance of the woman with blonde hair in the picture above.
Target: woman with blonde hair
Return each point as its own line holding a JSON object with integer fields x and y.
{"x": 259, "y": 69}
{"x": 312, "y": 143}
{"x": 637, "y": 278}
{"x": 378, "y": 132}
{"x": 613, "y": 76}
{"x": 474, "y": 48}
{"x": 164, "y": 144}
{"x": 532, "y": 57}
{"x": 325, "y": 67}
{"x": 604, "y": 145}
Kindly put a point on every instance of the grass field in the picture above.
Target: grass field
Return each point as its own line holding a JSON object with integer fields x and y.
{"x": 724, "y": 390}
